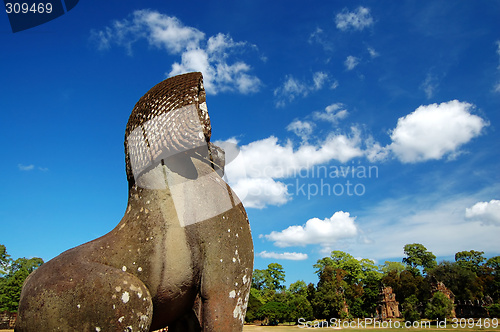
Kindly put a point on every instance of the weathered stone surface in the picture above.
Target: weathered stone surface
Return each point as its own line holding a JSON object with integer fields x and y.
{"x": 438, "y": 286}
{"x": 7, "y": 320}
{"x": 387, "y": 306}
{"x": 472, "y": 309}
{"x": 182, "y": 255}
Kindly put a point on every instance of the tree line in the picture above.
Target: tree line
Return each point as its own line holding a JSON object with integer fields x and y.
{"x": 346, "y": 287}
{"x": 349, "y": 288}
{"x": 12, "y": 276}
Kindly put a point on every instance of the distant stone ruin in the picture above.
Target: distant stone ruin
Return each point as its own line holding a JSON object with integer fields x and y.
{"x": 473, "y": 309}
{"x": 7, "y": 320}
{"x": 438, "y": 286}
{"x": 387, "y": 306}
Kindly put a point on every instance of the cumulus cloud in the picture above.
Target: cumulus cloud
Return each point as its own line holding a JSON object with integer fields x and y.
{"x": 333, "y": 113}
{"x": 351, "y": 62}
{"x": 356, "y": 20}
{"x": 486, "y": 212}
{"x": 293, "y": 87}
{"x": 211, "y": 57}
{"x": 256, "y": 179}
{"x": 258, "y": 192}
{"x": 430, "y": 132}
{"x": 434, "y": 131}
{"x": 218, "y": 74}
{"x": 293, "y": 256}
{"x": 375, "y": 152}
{"x": 316, "y": 231}
{"x": 303, "y": 129}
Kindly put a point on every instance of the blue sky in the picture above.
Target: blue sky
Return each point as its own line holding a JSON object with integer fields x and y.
{"x": 362, "y": 126}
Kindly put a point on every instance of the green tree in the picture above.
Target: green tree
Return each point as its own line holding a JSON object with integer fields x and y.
{"x": 311, "y": 292}
{"x": 494, "y": 263}
{"x": 11, "y": 284}
{"x": 275, "y": 277}
{"x": 271, "y": 278}
{"x": 343, "y": 261}
{"x": 470, "y": 260}
{"x": 299, "y": 307}
{"x": 255, "y": 301}
{"x": 494, "y": 310}
{"x": 272, "y": 312}
{"x": 328, "y": 300}
{"x": 258, "y": 279}
{"x": 370, "y": 294}
{"x": 299, "y": 288}
{"x": 4, "y": 260}
{"x": 491, "y": 271}
{"x": 462, "y": 282}
{"x": 392, "y": 266}
{"x": 410, "y": 311}
{"x": 417, "y": 256}
{"x": 356, "y": 270}
{"x": 439, "y": 307}
{"x": 406, "y": 284}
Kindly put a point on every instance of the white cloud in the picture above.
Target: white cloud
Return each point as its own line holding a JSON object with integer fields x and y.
{"x": 429, "y": 86}
{"x": 293, "y": 88}
{"x": 303, "y": 129}
{"x": 160, "y": 30}
{"x": 434, "y": 131}
{"x": 319, "y": 79}
{"x": 166, "y": 31}
{"x": 375, "y": 152}
{"x": 372, "y": 52}
{"x": 316, "y": 231}
{"x": 319, "y": 36}
{"x": 217, "y": 73}
{"x": 25, "y": 167}
{"x": 351, "y": 62}
{"x": 258, "y": 192}
{"x": 269, "y": 158}
{"x": 435, "y": 219}
{"x": 290, "y": 89}
{"x": 294, "y": 256}
{"x": 498, "y": 51}
{"x": 169, "y": 33}
{"x": 356, "y": 20}
{"x": 254, "y": 178}
{"x": 486, "y": 212}
{"x": 333, "y": 113}
{"x": 497, "y": 87}
{"x": 430, "y": 132}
